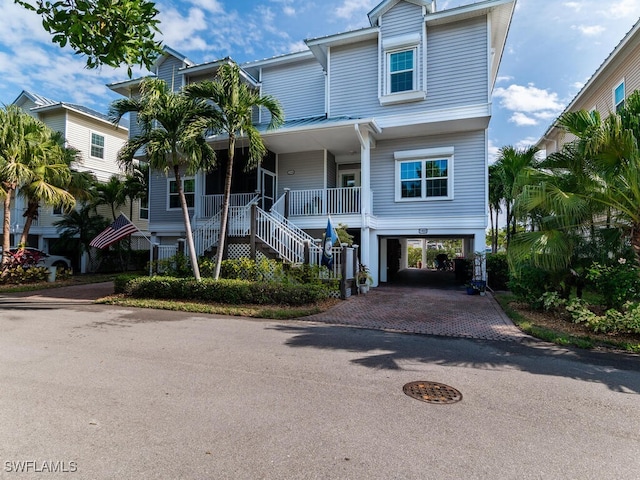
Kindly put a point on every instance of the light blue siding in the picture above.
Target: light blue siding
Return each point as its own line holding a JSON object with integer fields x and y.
{"x": 457, "y": 64}
{"x": 169, "y": 72}
{"x": 308, "y": 168}
{"x": 158, "y": 186}
{"x": 469, "y": 169}
{"x": 457, "y": 73}
{"x": 299, "y": 87}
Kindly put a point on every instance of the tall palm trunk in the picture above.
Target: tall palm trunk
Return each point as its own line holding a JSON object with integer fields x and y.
{"x": 6, "y": 241}
{"x": 224, "y": 214}
{"x": 30, "y": 215}
{"x": 187, "y": 224}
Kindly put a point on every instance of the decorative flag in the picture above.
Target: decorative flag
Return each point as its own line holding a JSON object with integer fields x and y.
{"x": 330, "y": 238}
{"x": 114, "y": 232}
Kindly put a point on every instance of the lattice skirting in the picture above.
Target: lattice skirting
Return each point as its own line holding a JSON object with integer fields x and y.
{"x": 243, "y": 250}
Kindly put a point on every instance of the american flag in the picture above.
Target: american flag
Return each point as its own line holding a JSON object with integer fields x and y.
{"x": 114, "y": 232}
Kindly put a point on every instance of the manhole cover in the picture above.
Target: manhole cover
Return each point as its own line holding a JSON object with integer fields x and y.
{"x": 432, "y": 392}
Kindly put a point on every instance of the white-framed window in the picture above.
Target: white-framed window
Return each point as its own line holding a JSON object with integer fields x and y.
{"x": 401, "y": 74}
{"x": 618, "y": 97}
{"x": 402, "y": 70}
{"x": 97, "y": 145}
{"x": 144, "y": 208}
{"x": 189, "y": 188}
{"x": 425, "y": 174}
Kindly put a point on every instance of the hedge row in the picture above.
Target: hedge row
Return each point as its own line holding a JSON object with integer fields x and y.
{"x": 233, "y": 292}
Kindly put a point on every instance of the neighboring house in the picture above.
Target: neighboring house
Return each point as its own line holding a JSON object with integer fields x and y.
{"x": 606, "y": 90}
{"x": 386, "y": 132}
{"x": 97, "y": 140}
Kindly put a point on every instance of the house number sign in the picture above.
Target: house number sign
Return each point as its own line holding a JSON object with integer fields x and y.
{"x": 423, "y": 230}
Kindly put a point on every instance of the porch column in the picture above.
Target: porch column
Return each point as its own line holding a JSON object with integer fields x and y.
{"x": 423, "y": 258}
{"x": 365, "y": 191}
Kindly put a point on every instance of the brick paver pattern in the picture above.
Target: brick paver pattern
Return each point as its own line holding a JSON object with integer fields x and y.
{"x": 430, "y": 311}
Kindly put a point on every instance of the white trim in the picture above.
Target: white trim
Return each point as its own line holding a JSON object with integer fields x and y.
{"x": 91, "y": 144}
{"x": 423, "y": 156}
{"x": 169, "y": 194}
{"x": 403, "y": 97}
{"x": 423, "y": 153}
{"x": 624, "y": 93}
{"x": 401, "y": 42}
{"x": 327, "y": 85}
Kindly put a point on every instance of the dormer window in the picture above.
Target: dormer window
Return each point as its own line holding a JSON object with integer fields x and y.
{"x": 402, "y": 81}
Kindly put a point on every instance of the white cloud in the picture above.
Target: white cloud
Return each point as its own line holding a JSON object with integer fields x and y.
{"x": 526, "y": 143}
{"x": 212, "y": 6}
{"x": 527, "y": 99}
{"x": 289, "y": 11}
{"x": 350, "y": 8}
{"x": 522, "y": 120}
{"x": 179, "y": 32}
{"x": 577, "y": 6}
{"x": 623, "y": 9}
{"x": 589, "y": 30}
{"x": 299, "y": 46}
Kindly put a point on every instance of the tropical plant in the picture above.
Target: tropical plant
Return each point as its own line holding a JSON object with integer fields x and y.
{"x": 25, "y": 144}
{"x": 512, "y": 169}
{"x": 110, "y": 194}
{"x": 107, "y": 32}
{"x": 172, "y": 132}
{"x": 49, "y": 184}
{"x": 80, "y": 226}
{"x": 234, "y": 102}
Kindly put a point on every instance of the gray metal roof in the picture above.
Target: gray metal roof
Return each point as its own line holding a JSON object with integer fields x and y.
{"x": 319, "y": 121}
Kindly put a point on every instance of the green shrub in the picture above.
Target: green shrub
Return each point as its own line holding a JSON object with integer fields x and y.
{"x": 617, "y": 283}
{"x": 497, "y": 271}
{"x": 20, "y": 275}
{"x": 224, "y": 291}
{"x": 613, "y": 321}
{"x": 530, "y": 284}
{"x": 121, "y": 281}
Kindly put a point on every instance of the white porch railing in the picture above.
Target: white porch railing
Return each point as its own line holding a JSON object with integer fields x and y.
{"x": 211, "y": 204}
{"x": 274, "y": 233}
{"x": 166, "y": 251}
{"x": 207, "y": 235}
{"x": 330, "y": 201}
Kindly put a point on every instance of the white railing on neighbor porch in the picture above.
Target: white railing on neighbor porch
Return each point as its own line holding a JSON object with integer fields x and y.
{"x": 166, "y": 251}
{"x": 330, "y": 201}
{"x": 211, "y": 204}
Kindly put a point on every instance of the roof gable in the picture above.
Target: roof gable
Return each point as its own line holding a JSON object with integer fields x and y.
{"x": 383, "y": 7}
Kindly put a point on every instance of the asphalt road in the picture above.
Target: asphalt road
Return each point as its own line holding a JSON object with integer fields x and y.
{"x": 105, "y": 392}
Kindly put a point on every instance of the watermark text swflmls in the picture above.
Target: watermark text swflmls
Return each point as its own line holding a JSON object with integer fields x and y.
{"x": 36, "y": 466}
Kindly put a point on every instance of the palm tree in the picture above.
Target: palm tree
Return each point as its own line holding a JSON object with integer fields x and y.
{"x": 50, "y": 183}
{"x": 23, "y": 144}
{"x": 81, "y": 225}
{"x": 513, "y": 168}
{"x": 496, "y": 197}
{"x": 173, "y": 128}
{"x": 234, "y": 103}
{"x": 111, "y": 194}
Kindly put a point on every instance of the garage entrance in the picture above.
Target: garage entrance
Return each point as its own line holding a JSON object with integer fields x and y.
{"x": 425, "y": 262}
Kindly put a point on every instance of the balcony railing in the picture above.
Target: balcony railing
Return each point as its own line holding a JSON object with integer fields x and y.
{"x": 211, "y": 204}
{"x": 330, "y": 201}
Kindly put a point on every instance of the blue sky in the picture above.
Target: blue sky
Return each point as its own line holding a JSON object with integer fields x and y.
{"x": 553, "y": 48}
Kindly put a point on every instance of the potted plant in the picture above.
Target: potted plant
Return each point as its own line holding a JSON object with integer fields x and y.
{"x": 363, "y": 278}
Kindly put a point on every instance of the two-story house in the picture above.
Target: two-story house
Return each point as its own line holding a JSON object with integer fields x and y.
{"x": 605, "y": 92}
{"x": 97, "y": 141}
{"x": 385, "y": 131}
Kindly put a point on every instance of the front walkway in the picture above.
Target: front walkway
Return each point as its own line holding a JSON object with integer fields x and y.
{"x": 418, "y": 304}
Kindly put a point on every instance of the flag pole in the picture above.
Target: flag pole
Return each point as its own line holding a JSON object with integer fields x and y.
{"x": 140, "y": 231}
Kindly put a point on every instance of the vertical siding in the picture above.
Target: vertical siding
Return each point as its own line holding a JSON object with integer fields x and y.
{"x": 309, "y": 171}
{"x": 134, "y": 127}
{"x": 468, "y": 177}
{"x": 457, "y": 67}
{"x": 168, "y": 71}
{"x": 299, "y": 87}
